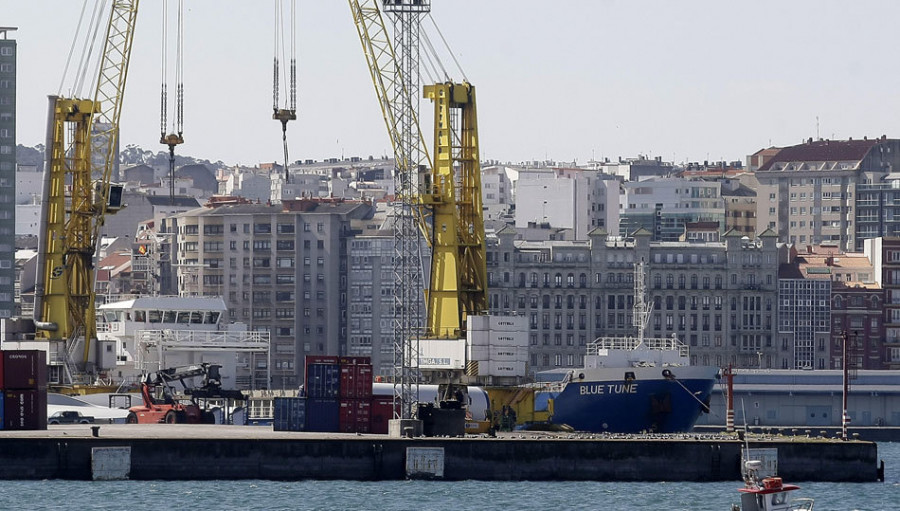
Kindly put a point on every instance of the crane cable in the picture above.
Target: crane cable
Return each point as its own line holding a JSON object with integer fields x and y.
{"x": 88, "y": 50}
{"x": 447, "y": 46}
{"x": 289, "y": 113}
{"x": 176, "y": 137}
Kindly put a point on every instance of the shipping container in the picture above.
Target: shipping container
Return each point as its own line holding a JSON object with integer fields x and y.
{"x": 349, "y": 377}
{"x": 2, "y": 386}
{"x": 290, "y": 414}
{"x": 322, "y": 415}
{"x": 382, "y": 411}
{"x": 323, "y": 380}
{"x": 363, "y": 416}
{"x": 356, "y": 381}
{"x": 25, "y": 369}
{"x": 25, "y": 409}
{"x": 2, "y": 402}
{"x": 347, "y": 420}
{"x": 364, "y": 381}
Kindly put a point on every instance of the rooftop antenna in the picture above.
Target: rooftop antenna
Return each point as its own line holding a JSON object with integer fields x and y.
{"x": 817, "y": 127}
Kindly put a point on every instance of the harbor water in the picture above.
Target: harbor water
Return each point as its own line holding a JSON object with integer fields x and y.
{"x": 434, "y": 495}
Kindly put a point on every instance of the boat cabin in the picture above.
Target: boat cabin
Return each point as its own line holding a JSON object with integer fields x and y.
{"x": 768, "y": 493}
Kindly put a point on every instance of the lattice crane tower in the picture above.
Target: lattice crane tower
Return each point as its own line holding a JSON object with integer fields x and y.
{"x": 406, "y": 16}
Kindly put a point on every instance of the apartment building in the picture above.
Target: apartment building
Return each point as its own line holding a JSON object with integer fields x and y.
{"x": 740, "y": 205}
{"x": 663, "y": 206}
{"x": 7, "y": 171}
{"x": 281, "y": 269}
{"x": 804, "y": 314}
{"x": 831, "y": 191}
{"x": 370, "y": 299}
{"x": 884, "y": 253}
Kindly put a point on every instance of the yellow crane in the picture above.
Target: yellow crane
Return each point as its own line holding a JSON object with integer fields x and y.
{"x": 82, "y": 138}
{"x": 451, "y": 217}
{"x": 458, "y": 285}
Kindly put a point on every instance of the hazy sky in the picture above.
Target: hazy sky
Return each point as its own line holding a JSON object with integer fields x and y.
{"x": 574, "y": 79}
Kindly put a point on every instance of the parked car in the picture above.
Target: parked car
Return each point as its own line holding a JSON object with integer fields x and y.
{"x": 69, "y": 417}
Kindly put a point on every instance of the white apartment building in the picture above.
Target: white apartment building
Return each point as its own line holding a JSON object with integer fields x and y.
{"x": 664, "y": 205}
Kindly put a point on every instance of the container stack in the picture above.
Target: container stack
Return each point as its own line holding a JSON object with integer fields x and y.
{"x": 355, "y": 395}
{"x": 323, "y": 383}
{"x": 23, "y": 389}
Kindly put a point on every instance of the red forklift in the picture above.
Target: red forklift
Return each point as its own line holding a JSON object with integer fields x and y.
{"x": 164, "y": 404}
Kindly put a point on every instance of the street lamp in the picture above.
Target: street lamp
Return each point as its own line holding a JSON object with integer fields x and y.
{"x": 759, "y": 355}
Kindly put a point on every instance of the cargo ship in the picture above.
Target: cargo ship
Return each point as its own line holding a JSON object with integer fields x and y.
{"x": 630, "y": 384}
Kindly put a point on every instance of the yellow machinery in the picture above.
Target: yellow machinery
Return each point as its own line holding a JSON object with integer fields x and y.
{"x": 82, "y": 138}
{"x": 458, "y": 269}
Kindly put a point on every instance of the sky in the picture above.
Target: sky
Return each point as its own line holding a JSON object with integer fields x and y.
{"x": 569, "y": 80}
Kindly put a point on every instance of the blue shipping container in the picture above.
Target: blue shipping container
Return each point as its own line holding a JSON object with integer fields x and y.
{"x": 323, "y": 380}
{"x": 323, "y": 415}
{"x": 290, "y": 414}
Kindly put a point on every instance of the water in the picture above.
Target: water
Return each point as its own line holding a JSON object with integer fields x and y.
{"x": 437, "y": 496}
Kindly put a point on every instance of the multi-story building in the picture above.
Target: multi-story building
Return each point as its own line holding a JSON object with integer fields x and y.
{"x": 831, "y": 191}
{"x": 281, "y": 269}
{"x": 823, "y": 295}
{"x": 804, "y": 314}
{"x": 370, "y": 297}
{"x": 884, "y": 253}
{"x": 496, "y": 191}
{"x": 662, "y": 206}
{"x": 740, "y": 205}
{"x": 568, "y": 198}
{"x": 718, "y": 297}
{"x": 7, "y": 171}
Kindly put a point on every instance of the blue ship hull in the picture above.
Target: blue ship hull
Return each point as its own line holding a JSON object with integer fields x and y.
{"x": 645, "y": 405}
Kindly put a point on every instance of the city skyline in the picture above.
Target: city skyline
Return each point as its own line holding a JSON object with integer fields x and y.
{"x": 686, "y": 82}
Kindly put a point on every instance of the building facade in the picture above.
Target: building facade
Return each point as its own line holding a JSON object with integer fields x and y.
{"x": 281, "y": 269}
{"x": 7, "y": 171}
{"x": 717, "y": 297}
{"x": 831, "y": 191}
{"x": 662, "y": 206}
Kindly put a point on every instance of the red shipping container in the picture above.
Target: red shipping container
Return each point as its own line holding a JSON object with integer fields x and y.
{"x": 25, "y": 409}
{"x": 347, "y": 419}
{"x": 349, "y": 377}
{"x": 25, "y": 369}
{"x": 364, "y": 381}
{"x": 382, "y": 411}
{"x": 363, "y": 416}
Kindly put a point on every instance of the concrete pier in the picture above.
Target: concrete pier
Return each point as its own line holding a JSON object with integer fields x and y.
{"x": 196, "y": 452}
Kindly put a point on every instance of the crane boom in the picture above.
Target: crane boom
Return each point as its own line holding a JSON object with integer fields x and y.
{"x": 65, "y": 288}
{"x": 385, "y": 73}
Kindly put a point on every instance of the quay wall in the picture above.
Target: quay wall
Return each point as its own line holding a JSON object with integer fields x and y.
{"x": 377, "y": 457}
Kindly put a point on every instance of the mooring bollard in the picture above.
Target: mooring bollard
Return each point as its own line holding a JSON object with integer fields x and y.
{"x": 95, "y": 431}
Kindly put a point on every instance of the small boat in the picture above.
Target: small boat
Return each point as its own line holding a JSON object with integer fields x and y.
{"x": 767, "y": 493}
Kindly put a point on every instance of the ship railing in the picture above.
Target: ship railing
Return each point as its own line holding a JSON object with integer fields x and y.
{"x": 630, "y": 343}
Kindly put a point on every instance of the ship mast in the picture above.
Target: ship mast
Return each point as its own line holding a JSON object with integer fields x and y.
{"x": 642, "y": 308}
